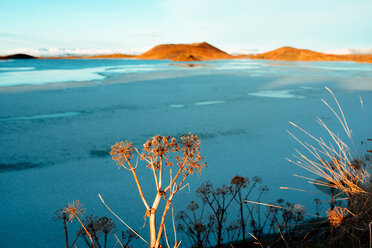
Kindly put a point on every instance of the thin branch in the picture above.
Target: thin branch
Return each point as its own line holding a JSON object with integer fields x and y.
{"x": 133, "y": 170}
{"x": 174, "y": 227}
{"x": 283, "y": 238}
{"x": 166, "y": 237}
{"x": 259, "y": 242}
{"x": 118, "y": 240}
{"x": 177, "y": 175}
{"x": 121, "y": 219}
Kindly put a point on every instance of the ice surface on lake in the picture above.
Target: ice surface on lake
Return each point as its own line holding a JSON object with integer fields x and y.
{"x": 239, "y": 109}
{"x": 24, "y": 72}
{"x": 17, "y": 72}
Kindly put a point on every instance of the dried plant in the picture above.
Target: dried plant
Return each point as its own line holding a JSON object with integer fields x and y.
{"x": 127, "y": 236}
{"x": 195, "y": 226}
{"x": 333, "y": 161}
{"x": 240, "y": 183}
{"x": 161, "y": 152}
{"x": 336, "y": 216}
{"x": 107, "y": 226}
{"x": 74, "y": 210}
{"x": 91, "y": 229}
{"x": 218, "y": 199}
{"x": 93, "y": 225}
{"x": 272, "y": 224}
{"x": 61, "y": 215}
{"x": 346, "y": 174}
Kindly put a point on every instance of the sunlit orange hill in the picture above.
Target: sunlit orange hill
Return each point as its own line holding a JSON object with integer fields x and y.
{"x": 294, "y": 54}
{"x": 185, "y": 52}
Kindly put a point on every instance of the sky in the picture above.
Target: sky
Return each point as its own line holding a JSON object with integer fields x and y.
{"x": 84, "y": 26}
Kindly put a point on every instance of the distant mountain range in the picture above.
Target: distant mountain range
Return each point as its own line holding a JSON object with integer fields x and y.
{"x": 205, "y": 51}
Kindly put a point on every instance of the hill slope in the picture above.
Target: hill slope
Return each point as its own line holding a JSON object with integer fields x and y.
{"x": 185, "y": 52}
{"x": 18, "y": 56}
{"x": 294, "y": 54}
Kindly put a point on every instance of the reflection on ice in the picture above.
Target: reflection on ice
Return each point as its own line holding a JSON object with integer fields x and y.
{"x": 137, "y": 68}
{"x": 17, "y": 68}
{"x": 176, "y": 105}
{"x": 338, "y": 67}
{"x": 276, "y": 94}
{"x": 38, "y": 117}
{"x": 48, "y": 76}
{"x": 208, "y": 102}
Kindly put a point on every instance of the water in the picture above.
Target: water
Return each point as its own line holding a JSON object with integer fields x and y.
{"x": 56, "y": 132}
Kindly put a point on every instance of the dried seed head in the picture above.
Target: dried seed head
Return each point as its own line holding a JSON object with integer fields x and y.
{"x": 122, "y": 152}
{"x": 73, "y": 210}
{"x": 240, "y": 181}
{"x": 336, "y": 216}
{"x": 189, "y": 144}
{"x": 192, "y": 206}
{"x": 158, "y": 147}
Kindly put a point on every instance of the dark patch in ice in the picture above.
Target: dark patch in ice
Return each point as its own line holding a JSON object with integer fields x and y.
{"x": 101, "y": 74}
{"x": 99, "y": 153}
{"x": 228, "y": 132}
{"x": 206, "y": 135}
{"x": 17, "y": 166}
{"x": 232, "y": 132}
{"x": 121, "y": 107}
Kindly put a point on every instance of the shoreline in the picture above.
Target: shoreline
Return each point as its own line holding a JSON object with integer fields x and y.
{"x": 363, "y": 58}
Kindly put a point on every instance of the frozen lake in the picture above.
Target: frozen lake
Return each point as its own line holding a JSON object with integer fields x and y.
{"x": 59, "y": 118}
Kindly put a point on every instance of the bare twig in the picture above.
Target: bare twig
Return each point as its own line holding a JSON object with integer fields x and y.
{"x": 118, "y": 241}
{"x": 121, "y": 220}
{"x": 283, "y": 238}
{"x": 258, "y": 241}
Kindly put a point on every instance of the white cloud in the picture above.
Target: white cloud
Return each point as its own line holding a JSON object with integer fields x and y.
{"x": 236, "y": 51}
{"x": 145, "y": 33}
{"x": 53, "y": 51}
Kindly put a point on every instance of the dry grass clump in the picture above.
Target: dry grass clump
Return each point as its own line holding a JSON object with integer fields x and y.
{"x": 348, "y": 177}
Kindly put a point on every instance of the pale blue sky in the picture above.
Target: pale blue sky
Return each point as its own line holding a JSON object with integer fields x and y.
{"x": 231, "y": 25}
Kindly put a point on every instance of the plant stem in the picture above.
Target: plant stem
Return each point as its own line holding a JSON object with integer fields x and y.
{"x": 65, "y": 230}
{"x": 90, "y": 236}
